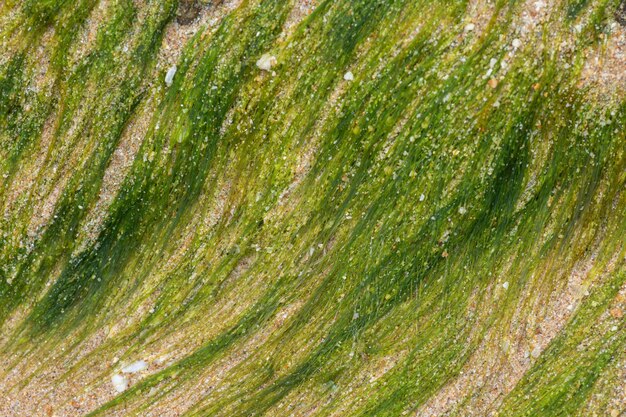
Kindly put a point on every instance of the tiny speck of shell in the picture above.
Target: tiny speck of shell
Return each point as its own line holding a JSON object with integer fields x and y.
{"x": 169, "y": 77}
{"x": 120, "y": 382}
{"x": 134, "y": 367}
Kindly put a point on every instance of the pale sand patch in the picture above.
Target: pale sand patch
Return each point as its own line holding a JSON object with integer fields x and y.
{"x": 604, "y": 71}
{"x": 479, "y": 13}
{"x": 177, "y": 36}
{"x": 86, "y": 39}
{"x": 300, "y": 11}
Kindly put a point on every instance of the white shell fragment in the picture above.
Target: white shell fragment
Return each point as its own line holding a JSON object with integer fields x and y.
{"x": 169, "y": 77}
{"x": 266, "y": 62}
{"x": 135, "y": 367}
{"x": 348, "y": 76}
{"x": 120, "y": 382}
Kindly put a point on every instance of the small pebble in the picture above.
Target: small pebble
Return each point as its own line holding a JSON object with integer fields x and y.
{"x": 469, "y": 27}
{"x": 506, "y": 285}
{"x": 169, "y": 77}
{"x": 266, "y": 62}
{"x": 135, "y": 367}
{"x": 517, "y": 43}
{"x": 348, "y": 76}
{"x": 120, "y": 382}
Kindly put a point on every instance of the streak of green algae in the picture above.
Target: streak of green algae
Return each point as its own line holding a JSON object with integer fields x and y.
{"x": 518, "y": 181}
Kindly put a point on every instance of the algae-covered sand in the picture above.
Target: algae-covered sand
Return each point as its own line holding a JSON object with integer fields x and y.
{"x": 312, "y": 208}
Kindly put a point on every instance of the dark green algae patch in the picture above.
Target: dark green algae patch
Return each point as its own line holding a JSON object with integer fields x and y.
{"x": 292, "y": 242}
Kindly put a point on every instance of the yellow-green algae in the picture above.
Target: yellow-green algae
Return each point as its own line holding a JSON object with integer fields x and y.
{"x": 307, "y": 229}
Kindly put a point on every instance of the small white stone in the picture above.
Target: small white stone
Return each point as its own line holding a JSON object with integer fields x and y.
{"x": 506, "y": 285}
{"x": 120, "y": 382}
{"x": 169, "y": 77}
{"x": 266, "y": 62}
{"x": 517, "y": 43}
{"x": 422, "y": 197}
{"x": 469, "y": 27}
{"x": 462, "y": 210}
{"x": 348, "y": 76}
{"x": 135, "y": 367}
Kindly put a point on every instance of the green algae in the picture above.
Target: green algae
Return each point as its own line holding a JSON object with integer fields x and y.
{"x": 519, "y": 181}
